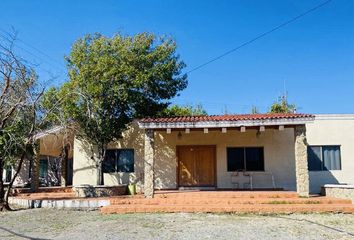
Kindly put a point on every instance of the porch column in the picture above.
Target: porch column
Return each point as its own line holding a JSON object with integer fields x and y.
{"x": 64, "y": 164}
{"x": 35, "y": 168}
{"x": 301, "y": 164}
{"x": 149, "y": 164}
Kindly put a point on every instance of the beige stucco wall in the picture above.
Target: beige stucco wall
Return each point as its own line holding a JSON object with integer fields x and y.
{"x": 85, "y": 166}
{"x": 278, "y": 154}
{"x": 333, "y": 130}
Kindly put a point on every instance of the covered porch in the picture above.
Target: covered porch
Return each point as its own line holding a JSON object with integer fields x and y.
{"x": 51, "y": 164}
{"x": 229, "y": 152}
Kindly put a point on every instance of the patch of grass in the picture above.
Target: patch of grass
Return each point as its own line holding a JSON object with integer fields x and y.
{"x": 251, "y": 215}
{"x": 312, "y": 202}
{"x": 109, "y": 217}
{"x": 289, "y": 202}
{"x": 59, "y": 225}
{"x": 153, "y": 225}
{"x": 279, "y": 202}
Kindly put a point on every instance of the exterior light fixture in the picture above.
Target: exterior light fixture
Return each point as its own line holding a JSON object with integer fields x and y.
{"x": 179, "y": 135}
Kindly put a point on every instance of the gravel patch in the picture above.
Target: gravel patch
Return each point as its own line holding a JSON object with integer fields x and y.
{"x": 66, "y": 224}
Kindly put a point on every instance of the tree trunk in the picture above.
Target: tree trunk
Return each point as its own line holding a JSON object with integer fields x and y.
{"x": 63, "y": 168}
{"x": 7, "y": 194}
{"x": 35, "y": 168}
{"x": 2, "y": 188}
{"x": 100, "y": 174}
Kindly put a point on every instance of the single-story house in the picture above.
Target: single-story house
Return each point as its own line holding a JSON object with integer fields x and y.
{"x": 297, "y": 152}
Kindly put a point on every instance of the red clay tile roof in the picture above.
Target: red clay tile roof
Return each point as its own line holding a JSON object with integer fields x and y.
{"x": 227, "y": 117}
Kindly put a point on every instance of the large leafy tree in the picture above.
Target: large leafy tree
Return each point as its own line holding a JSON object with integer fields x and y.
{"x": 114, "y": 80}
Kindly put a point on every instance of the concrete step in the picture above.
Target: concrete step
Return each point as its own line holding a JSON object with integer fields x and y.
{"x": 236, "y": 208}
{"x": 227, "y": 201}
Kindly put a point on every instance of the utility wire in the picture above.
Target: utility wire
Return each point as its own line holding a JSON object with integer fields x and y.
{"x": 53, "y": 63}
{"x": 261, "y": 35}
{"x": 34, "y": 48}
{"x": 53, "y": 78}
{"x": 25, "y": 50}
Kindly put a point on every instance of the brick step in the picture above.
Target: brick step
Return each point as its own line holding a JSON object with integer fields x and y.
{"x": 44, "y": 190}
{"x": 42, "y": 196}
{"x": 228, "y": 201}
{"x": 228, "y": 194}
{"x": 237, "y": 208}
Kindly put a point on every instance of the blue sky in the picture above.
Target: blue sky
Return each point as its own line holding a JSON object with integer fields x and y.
{"x": 314, "y": 56}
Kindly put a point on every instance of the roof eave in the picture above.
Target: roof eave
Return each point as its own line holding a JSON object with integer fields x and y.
{"x": 221, "y": 124}
{"x": 51, "y": 131}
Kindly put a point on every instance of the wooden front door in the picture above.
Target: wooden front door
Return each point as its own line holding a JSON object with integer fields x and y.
{"x": 196, "y": 166}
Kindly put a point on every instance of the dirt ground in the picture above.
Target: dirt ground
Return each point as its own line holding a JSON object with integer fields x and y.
{"x": 63, "y": 224}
